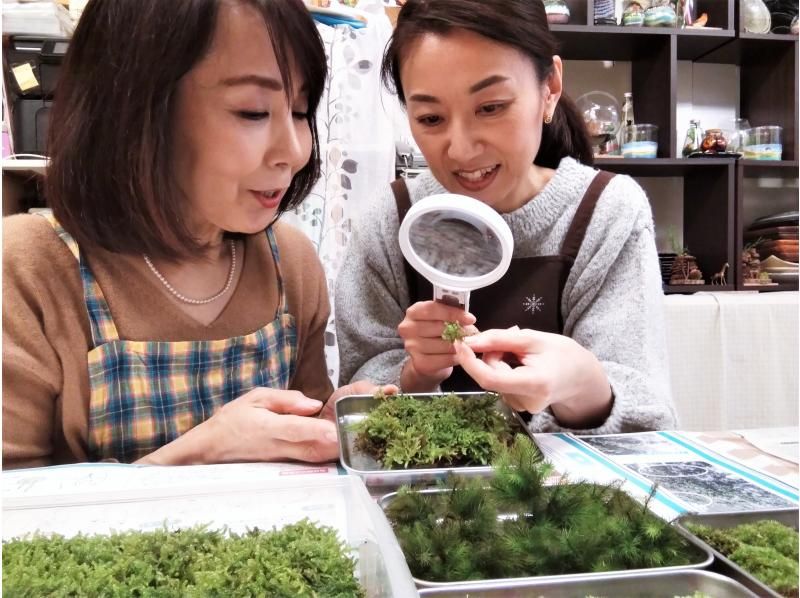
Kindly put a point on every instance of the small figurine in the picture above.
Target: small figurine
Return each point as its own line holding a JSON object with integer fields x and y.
{"x": 719, "y": 277}
{"x": 751, "y": 267}
{"x": 685, "y": 270}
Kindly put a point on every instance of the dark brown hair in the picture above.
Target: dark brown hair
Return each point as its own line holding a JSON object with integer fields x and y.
{"x": 521, "y": 24}
{"x": 110, "y": 180}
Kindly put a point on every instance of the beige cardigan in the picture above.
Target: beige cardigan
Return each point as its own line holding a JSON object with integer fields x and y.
{"x": 46, "y": 333}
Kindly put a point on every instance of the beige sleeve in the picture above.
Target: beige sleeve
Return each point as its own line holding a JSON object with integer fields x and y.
{"x": 31, "y": 367}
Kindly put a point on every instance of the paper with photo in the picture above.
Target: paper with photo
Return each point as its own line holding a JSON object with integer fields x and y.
{"x": 689, "y": 478}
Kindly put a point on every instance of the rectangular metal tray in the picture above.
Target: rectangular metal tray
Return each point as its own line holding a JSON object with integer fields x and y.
{"x": 723, "y": 564}
{"x": 630, "y": 585}
{"x": 705, "y": 559}
{"x": 354, "y": 408}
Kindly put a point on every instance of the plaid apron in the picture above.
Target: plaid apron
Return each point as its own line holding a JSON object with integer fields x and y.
{"x": 144, "y": 394}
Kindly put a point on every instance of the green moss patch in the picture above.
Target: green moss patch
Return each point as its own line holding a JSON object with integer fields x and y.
{"x": 453, "y": 332}
{"x": 444, "y": 431}
{"x": 768, "y": 550}
{"x": 301, "y": 559}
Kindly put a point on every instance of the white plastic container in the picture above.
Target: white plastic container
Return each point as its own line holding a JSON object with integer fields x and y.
{"x": 340, "y": 502}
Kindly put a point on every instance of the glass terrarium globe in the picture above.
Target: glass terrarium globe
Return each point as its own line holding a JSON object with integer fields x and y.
{"x": 601, "y": 113}
{"x": 755, "y": 16}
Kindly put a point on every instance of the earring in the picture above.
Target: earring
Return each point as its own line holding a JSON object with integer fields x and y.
{"x": 548, "y": 118}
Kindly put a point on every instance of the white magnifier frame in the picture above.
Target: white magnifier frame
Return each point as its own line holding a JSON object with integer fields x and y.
{"x": 449, "y": 288}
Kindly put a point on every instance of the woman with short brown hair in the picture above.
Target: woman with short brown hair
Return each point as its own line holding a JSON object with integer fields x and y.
{"x": 161, "y": 313}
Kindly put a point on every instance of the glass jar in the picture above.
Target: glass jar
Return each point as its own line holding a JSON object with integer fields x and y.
{"x": 714, "y": 142}
{"x": 693, "y": 139}
{"x": 755, "y": 16}
{"x": 557, "y": 12}
{"x": 737, "y": 139}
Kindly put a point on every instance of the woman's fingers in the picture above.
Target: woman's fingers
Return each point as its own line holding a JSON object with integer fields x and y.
{"x": 510, "y": 340}
{"x": 299, "y": 429}
{"x": 437, "y": 311}
{"x": 495, "y": 360}
{"x": 520, "y": 387}
{"x": 283, "y": 401}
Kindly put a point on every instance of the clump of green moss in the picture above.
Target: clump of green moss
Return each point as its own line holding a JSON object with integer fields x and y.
{"x": 301, "y": 559}
{"x": 766, "y": 549}
{"x": 453, "y": 332}
{"x": 447, "y": 430}
{"x": 520, "y": 527}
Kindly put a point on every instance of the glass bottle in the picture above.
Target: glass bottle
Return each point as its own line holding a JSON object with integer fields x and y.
{"x": 627, "y": 118}
{"x": 737, "y": 139}
{"x": 694, "y": 136}
{"x": 627, "y": 110}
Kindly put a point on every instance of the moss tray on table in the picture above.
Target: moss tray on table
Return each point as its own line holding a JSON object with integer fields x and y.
{"x": 516, "y": 525}
{"x": 447, "y": 430}
{"x": 301, "y": 559}
{"x": 767, "y": 550}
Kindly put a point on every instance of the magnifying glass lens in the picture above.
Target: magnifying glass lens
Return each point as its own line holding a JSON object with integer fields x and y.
{"x": 448, "y": 242}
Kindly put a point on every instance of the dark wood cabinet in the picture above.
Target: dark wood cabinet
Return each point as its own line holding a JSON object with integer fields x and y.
{"x": 713, "y": 188}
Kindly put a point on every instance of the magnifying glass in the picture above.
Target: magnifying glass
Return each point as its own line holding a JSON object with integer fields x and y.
{"x": 458, "y": 243}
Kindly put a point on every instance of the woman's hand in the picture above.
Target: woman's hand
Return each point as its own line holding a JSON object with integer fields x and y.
{"x": 534, "y": 370}
{"x": 262, "y": 425}
{"x": 431, "y": 358}
{"x": 362, "y": 387}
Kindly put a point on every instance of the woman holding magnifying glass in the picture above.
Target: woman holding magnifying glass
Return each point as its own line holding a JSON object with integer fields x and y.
{"x": 574, "y": 330}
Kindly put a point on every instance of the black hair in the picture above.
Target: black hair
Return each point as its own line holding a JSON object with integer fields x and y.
{"x": 521, "y": 24}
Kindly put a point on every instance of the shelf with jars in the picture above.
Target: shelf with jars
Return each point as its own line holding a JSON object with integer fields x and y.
{"x": 713, "y": 187}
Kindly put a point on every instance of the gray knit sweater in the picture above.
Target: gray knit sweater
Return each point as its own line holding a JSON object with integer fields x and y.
{"x": 612, "y": 301}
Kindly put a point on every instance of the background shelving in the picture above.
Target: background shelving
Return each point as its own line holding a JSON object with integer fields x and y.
{"x": 764, "y": 71}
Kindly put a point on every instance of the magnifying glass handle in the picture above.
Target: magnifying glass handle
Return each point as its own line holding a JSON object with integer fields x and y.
{"x": 451, "y": 297}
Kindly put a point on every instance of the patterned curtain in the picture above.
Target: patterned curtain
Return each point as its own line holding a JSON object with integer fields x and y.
{"x": 356, "y": 145}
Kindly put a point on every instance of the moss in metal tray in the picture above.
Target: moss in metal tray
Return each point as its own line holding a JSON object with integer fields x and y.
{"x": 520, "y": 527}
{"x": 766, "y": 549}
{"x": 443, "y": 431}
{"x": 302, "y": 559}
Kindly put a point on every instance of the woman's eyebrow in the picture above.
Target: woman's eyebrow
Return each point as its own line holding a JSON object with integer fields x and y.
{"x": 482, "y": 84}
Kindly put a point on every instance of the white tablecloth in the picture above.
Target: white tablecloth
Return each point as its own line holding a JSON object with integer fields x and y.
{"x": 733, "y": 359}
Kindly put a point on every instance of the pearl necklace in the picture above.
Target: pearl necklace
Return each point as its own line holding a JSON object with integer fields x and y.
{"x": 186, "y": 299}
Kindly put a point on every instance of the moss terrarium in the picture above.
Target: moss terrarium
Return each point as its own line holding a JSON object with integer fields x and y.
{"x": 516, "y": 526}
{"x": 446, "y": 430}
{"x": 767, "y": 550}
{"x": 302, "y": 559}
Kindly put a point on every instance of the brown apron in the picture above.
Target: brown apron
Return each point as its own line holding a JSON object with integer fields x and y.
{"x": 528, "y": 295}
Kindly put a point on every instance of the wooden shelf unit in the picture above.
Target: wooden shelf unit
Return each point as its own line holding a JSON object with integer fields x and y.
{"x": 712, "y": 187}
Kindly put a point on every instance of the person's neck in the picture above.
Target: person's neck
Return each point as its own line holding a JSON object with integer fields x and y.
{"x": 216, "y": 247}
{"x": 536, "y": 180}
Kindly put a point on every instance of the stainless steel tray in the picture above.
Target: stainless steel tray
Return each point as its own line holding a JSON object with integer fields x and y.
{"x": 723, "y": 564}
{"x": 630, "y": 585}
{"x": 354, "y": 408}
{"x": 704, "y": 560}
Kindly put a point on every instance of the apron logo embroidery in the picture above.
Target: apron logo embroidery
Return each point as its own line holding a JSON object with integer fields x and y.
{"x": 533, "y": 304}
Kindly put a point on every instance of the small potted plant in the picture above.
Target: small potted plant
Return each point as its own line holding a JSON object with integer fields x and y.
{"x": 684, "y": 268}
